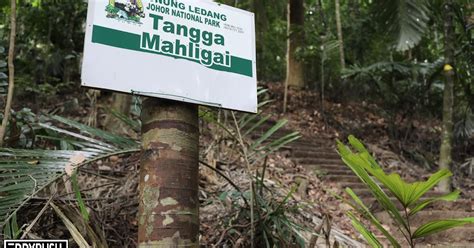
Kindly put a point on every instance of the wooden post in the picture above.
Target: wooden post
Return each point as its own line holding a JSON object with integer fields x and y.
{"x": 168, "y": 202}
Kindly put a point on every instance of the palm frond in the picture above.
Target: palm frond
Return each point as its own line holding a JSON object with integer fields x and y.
{"x": 406, "y": 20}
{"x": 24, "y": 173}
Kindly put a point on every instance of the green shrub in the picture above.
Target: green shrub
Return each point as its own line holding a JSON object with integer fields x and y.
{"x": 408, "y": 194}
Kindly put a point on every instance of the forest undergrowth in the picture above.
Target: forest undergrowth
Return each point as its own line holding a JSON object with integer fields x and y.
{"x": 109, "y": 186}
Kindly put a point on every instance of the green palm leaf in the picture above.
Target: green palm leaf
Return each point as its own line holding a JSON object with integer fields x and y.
{"x": 406, "y": 20}
{"x": 447, "y": 197}
{"x": 23, "y": 173}
{"x": 364, "y": 210}
{"x": 368, "y": 235}
{"x": 440, "y": 225}
{"x": 359, "y": 166}
{"x": 407, "y": 193}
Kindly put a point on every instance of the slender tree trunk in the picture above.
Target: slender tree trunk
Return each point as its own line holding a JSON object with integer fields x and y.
{"x": 169, "y": 203}
{"x": 323, "y": 60}
{"x": 120, "y": 103}
{"x": 339, "y": 35}
{"x": 11, "y": 72}
{"x": 294, "y": 67}
{"x": 445, "y": 159}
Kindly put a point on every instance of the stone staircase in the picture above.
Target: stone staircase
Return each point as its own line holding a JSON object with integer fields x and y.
{"x": 320, "y": 156}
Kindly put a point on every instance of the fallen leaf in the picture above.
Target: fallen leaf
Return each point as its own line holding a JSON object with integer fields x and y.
{"x": 73, "y": 162}
{"x": 77, "y": 159}
{"x": 69, "y": 169}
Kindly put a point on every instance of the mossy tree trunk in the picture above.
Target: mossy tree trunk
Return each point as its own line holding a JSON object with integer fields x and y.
{"x": 294, "y": 67}
{"x": 445, "y": 158}
{"x": 169, "y": 203}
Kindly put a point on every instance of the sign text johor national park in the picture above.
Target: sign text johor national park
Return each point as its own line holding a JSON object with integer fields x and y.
{"x": 195, "y": 51}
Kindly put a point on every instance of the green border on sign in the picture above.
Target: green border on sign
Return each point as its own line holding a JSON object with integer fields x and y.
{"x": 131, "y": 41}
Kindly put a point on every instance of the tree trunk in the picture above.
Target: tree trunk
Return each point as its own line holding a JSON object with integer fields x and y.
{"x": 445, "y": 159}
{"x": 11, "y": 72}
{"x": 294, "y": 67}
{"x": 339, "y": 35}
{"x": 169, "y": 203}
{"x": 295, "y": 70}
{"x": 120, "y": 103}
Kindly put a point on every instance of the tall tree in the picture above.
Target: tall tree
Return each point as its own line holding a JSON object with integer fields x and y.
{"x": 445, "y": 159}
{"x": 339, "y": 34}
{"x": 294, "y": 67}
{"x": 11, "y": 72}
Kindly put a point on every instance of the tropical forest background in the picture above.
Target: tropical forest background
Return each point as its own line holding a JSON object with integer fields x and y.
{"x": 398, "y": 75}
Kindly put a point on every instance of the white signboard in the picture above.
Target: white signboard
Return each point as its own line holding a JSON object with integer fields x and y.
{"x": 187, "y": 50}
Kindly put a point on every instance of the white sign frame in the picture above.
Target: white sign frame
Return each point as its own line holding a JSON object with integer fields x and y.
{"x": 114, "y": 61}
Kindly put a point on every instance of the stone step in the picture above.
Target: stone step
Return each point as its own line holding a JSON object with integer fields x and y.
{"x": 312, "y": 147}
{"x": 337, "y": 172}
{"x": 459, "y": 234}
{"x": 328, "y": 167}
{"x": 317, "y": 153}
{"x": 355, "y": 185}
{"x": 316, "y": 161}
{"x": 371, "y": 202}
{"x": 303, "y": 145}
{"x": 324, "y": 156}
{"x": 364, "y": 192}
{"x": 342, "y": 178}
{"x": 458, "y": 205}
{"x": 274, "y": 136}
{"x": 441, "y": 244}
{"x": 423, "y": 217}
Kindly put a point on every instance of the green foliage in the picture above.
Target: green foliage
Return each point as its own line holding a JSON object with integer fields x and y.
{"x": 406, "y": 87}
{"x": 253, "y": 133}
{"x": 77, "y": 193}
{"x": 48, "y": 45}
{"x": 359, "y": 160}
{"x": 406, "y": 20}
{"x": 439, "y": 226}
{"x": 247, "y": 126}
{"x": 274, "y": 226}
{"x": 24, "y": 173}
{"x": 11, "y": 229}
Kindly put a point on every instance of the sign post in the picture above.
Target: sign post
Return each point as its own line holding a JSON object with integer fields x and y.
{"x": 181, "y": 53}
{"x": 169, "y": 176}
